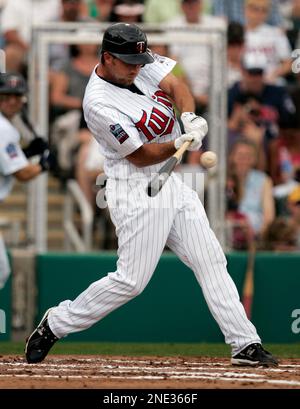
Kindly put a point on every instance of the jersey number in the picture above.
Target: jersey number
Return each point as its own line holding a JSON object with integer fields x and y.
{"x": 159, "y": 124}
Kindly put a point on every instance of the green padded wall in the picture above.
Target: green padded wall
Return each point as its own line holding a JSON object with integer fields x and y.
{"x": 171, "y": 308}
{"x": 5, "y": 305}
{"x": 277, "y": 295}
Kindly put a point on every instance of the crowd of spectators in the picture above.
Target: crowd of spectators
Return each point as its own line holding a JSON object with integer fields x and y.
{"x": 262, "y": 190}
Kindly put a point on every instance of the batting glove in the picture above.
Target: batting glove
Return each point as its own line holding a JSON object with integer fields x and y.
{"x": 192, "y": 136}
{"x": 192, "y": 122}
{"x": 47, "y": 161}
{"x": 36, "y": 147}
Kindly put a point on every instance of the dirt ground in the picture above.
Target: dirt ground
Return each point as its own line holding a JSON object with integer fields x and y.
{"x": 113, "y": 372}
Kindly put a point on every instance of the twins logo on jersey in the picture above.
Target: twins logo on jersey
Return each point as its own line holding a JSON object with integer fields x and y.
{"x": 12, "y": 150}
{"x": 119, "y": 133}
{"x": 157, "y": 123}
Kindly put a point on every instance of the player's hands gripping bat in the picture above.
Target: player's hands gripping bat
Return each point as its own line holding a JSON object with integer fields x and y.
{"x": 191, "y": 122}
{"x": 191, "y": 141}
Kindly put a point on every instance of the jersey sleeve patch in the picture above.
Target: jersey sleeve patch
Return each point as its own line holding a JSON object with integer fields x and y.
{"x": 11, "y": 150}
{"x": 119, "y": 133}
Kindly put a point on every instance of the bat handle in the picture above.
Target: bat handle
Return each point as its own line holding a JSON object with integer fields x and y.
{"x": 182, "y": 149}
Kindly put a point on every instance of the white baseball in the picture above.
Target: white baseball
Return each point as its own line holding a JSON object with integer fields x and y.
{"x": 208, "y": 159}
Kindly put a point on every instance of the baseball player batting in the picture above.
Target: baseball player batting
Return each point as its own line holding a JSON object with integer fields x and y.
{"x": 128, "y": 108}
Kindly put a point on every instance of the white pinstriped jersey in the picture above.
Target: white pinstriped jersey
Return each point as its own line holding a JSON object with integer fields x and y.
{"x": 12, "y": 157}
{"x": 122, "y": 120}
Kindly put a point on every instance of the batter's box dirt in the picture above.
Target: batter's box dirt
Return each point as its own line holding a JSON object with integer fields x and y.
{"x": 110, "y": 372}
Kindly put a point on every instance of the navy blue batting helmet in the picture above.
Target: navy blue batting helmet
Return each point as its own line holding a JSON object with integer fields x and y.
{"x": 128, "y": 43}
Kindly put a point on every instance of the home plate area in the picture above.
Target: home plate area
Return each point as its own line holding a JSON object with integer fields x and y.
{"x": 143, "y": 372}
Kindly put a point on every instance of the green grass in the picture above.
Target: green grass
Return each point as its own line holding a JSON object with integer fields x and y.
{"x": 133, "y": 349}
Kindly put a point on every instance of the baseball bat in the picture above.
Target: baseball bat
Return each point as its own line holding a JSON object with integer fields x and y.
{"x": 248, "y": 289}
{"x": 164, "y": 172}
{"x": 28, "y": 123}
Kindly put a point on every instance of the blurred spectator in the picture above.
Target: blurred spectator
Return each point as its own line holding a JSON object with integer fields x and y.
{"x": 66, "y": 94}
{"x": 234, "y": 10}
{"x": 240, "y": 232}
{"x": 281, "y": 235}
{"x": 18, "y": 18}
{"x": 256, "y": 109}
{"x": 71, "y": 11}
{"x": 101, "y": 9}
{"x": 293, "y": 24}
{"x": 235, "y": 49}
{"x": 285, "y": 157}
{"x": 255, "y": 199}
{"x": 2, "y": 4}
{"x": 266, "y": 43}
{"x": 195, "y": 59}
{"x": 158, "y": 11}
{"x": 68, "y": 85}
{"x": 128, "y": 11}
{"x": 89, "y": 162}
{"x": 294, "y": 209}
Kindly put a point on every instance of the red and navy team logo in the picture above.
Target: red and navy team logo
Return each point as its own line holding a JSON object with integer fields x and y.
{"x": 157, "y": 123}
{"x": 119, "y": 133}
{"x": 11, "y": 150}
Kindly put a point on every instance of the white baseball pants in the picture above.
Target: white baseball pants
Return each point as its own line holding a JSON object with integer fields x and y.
{"x": 144, "y": 225}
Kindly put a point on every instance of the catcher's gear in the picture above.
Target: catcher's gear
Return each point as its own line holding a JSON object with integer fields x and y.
{"x": 192, "y": 122}
{"x": 128, "y": 43}
{"x": 13, "y": 84}
{"x": 194, "y": 136}
{"x": 36, "y": 147}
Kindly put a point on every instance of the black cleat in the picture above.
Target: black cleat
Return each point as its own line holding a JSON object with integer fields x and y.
{"x": 254, "y": 355}
{"x": 39, "y": 343}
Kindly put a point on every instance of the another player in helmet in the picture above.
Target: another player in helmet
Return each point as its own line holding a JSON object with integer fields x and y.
{"x": 128, "y": 108}
{"x": 13, "y": 160}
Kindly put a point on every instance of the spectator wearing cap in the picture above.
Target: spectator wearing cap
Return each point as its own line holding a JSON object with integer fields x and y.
{"x": 233, "y": 10}
{"x": 257, "y": 109}
{"x": 263, "y": 41}
{"x": 235, "y": 49}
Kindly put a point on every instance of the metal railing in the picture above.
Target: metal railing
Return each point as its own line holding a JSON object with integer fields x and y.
{"x": 73, "y": 239}
{"x": 11, "y": 230}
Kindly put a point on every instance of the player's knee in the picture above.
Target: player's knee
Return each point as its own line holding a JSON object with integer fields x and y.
{"x": 132, "y": 288}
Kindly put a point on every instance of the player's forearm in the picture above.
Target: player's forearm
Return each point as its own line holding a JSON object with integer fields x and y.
{"x": 183, "y": 99}
{"x": 150, "y": 154}
{"x": 179, "y": 92}
{"x": 28, "y": 172}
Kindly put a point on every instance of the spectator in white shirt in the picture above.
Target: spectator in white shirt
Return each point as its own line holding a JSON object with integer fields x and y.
{"x": 266, "y": 41}
{"x": 18, "y": 18}
{"x": 195, "y": 59}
